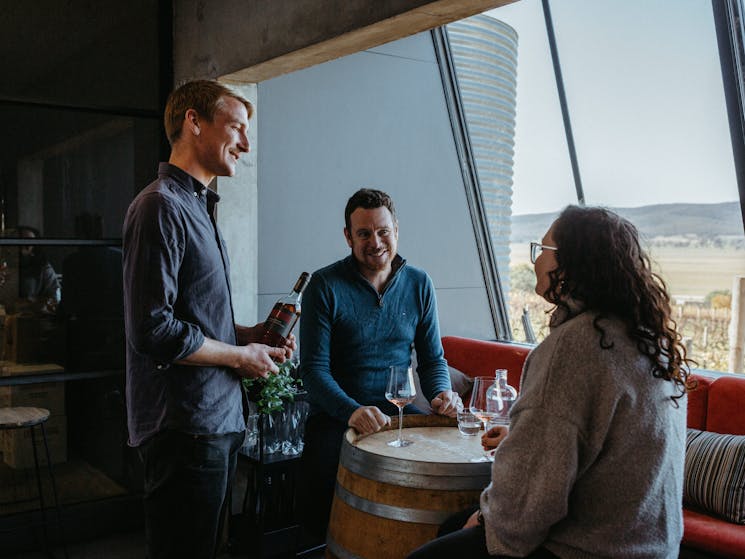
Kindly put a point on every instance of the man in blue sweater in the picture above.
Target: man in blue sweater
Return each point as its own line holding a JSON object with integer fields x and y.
{"x": 361, "y": 315}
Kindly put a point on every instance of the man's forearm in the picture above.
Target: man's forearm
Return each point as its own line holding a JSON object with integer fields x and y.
{"x": 252, "y": 360}
{"x": 213, "y": 353}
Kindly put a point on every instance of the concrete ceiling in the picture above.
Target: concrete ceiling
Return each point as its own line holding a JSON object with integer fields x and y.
{"x": 80, "y": 52}
{"x": 105, "y": 53}
{"x": 252, "y": 41}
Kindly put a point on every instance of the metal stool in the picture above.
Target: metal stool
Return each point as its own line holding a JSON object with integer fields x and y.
{"x": 22, "y": 418}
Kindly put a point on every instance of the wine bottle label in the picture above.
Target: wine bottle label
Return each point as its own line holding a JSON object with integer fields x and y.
{"x": 281, "y": 319}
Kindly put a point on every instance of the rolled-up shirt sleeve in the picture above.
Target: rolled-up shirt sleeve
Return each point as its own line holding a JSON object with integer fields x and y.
{"x": 154, "y": 243}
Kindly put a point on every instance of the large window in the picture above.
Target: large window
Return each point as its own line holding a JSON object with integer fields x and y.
{"x": 80, "y": 105}
{"x": 646, "y": 101}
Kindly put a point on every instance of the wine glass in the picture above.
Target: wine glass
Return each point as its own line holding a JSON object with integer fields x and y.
{"x": 400, "y": 392}
{"x": 481, "y": 406}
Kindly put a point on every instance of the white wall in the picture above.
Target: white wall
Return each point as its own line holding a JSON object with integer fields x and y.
{"x": 373, "y": 119}
{"x": 237, "y": 217}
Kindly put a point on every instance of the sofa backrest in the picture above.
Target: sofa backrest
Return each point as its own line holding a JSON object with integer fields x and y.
{"x": 480, "y": 358}
{"x": 698, "y": 401}
{"x": 726, "y": 408}
{"x": 717, "y": 404}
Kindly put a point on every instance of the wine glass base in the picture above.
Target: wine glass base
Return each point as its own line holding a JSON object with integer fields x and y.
{"x": 399, "y": 443}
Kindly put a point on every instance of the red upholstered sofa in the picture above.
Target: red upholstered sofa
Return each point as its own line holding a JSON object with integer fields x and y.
{"x": 480, "y": 358}
{"x": 717, "y": 404}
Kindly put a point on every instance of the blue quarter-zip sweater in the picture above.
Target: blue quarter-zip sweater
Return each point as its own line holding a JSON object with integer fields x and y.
{"x": 350, "y": 335}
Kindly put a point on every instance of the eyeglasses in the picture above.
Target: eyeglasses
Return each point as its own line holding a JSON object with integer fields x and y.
{"x": 536, "y": 249}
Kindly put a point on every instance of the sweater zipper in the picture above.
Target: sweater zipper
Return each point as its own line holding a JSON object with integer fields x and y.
{"x": 387, "y": 285}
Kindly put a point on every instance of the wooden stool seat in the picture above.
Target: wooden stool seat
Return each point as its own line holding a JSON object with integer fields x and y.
{"x": 30, "y": 418}
{"x": 16, "y": 418}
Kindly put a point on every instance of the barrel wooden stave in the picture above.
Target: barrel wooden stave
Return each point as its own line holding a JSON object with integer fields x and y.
{"x": 405, "y": 497}
{"x": 383, "y": 508}
{"x": 367, "y": 536}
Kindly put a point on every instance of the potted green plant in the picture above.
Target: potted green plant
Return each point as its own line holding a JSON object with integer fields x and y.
{"x": 274, "y": 397}
{"x": 271, "y": 392}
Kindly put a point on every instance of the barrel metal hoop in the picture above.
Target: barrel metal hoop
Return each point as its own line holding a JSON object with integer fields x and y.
{"x": 392, "y": 512}
{"x": 419, "y": 475}
{"x": 338, "y": 551}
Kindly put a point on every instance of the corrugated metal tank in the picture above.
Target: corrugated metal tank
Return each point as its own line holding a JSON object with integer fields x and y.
{"x": 484, "y": 51}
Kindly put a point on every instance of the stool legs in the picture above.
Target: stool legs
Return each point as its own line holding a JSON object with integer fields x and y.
{"x": 40, "y": 490}
{"x": 47, "y": 548}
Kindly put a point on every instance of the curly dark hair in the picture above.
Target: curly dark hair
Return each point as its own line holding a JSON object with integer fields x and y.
{"x": 602, "y": 264}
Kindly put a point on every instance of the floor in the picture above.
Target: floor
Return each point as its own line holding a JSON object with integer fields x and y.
{"x": 119, "y": 546}
{"x": 79, "y": 481}
{"x": 125, "y": 546}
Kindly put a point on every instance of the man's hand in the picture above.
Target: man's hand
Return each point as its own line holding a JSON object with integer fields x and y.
{"x": 290, "y": 346}
{"x": 368, "y": 419}
{"x": 258, "y": 360}
{"x": 494, "y": 436}
{"x": 252, "y": 334}
{"x": 248, "y": 334}
{"x": 446, "y": 403}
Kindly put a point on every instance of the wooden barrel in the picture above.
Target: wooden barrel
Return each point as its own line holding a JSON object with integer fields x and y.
{"x": 390, "y": 500}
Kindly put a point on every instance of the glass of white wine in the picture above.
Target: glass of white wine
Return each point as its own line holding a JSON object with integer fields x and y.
{"x": 482, "y": 406}
{"x": 400, "y": 392}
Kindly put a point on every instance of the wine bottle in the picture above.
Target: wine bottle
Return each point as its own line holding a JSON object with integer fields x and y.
{"x": 500, "y": 396}
{"x": 284, "y": 315}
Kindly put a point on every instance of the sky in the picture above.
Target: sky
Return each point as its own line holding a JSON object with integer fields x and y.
{"x": 645, "y": 97}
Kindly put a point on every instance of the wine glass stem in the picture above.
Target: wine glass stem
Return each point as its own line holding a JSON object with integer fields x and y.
{"x": 486, "y": 452}
{"x": 400, "y": 425}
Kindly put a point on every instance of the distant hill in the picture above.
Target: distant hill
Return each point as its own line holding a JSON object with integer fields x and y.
{"x": 655, "y": 221}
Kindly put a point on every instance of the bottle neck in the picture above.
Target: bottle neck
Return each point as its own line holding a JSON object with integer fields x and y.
{"x": 300, "y": 284}
{"x": 501, "y": 378}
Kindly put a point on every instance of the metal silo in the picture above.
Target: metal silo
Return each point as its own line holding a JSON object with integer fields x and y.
{"x": 484, "y": 52}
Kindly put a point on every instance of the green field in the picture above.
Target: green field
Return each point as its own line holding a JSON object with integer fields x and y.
{"x": 688, "y": 271}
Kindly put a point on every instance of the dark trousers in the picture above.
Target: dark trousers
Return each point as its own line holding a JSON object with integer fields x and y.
{"x": 454, "y": 541}
{"x": 320, "y": 460}
{"x": 187, "y": 483}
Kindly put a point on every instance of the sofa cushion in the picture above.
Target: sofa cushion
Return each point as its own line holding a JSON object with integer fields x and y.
{"x": 715, "y": 474}
{"x": 459, "y": 382}
{"x": 706, "y": 533}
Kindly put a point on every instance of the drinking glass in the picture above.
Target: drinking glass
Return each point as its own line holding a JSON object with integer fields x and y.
{"x": 296, "y": 413}
{"x": 400, "y": 392}
{"x": 482, "y": 406}
{"x": 252, "y": 436}
{"x": 468, "y": 424}
{"x": 273, "y": 432}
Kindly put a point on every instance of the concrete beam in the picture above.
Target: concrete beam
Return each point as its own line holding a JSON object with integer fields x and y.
{"x": 255, "y": 40}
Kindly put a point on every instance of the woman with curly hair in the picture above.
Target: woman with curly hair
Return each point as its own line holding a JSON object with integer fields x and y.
{"x": 593, "y": 463}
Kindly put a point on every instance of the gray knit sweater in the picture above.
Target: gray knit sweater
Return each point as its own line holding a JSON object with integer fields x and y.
{"x": 593, "y": 464}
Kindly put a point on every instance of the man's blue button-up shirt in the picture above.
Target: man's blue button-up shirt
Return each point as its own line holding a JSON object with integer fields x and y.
{"x": 176, "y": 293}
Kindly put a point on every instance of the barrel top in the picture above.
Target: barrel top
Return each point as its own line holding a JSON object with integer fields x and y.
{"x": 431, "y": 444}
